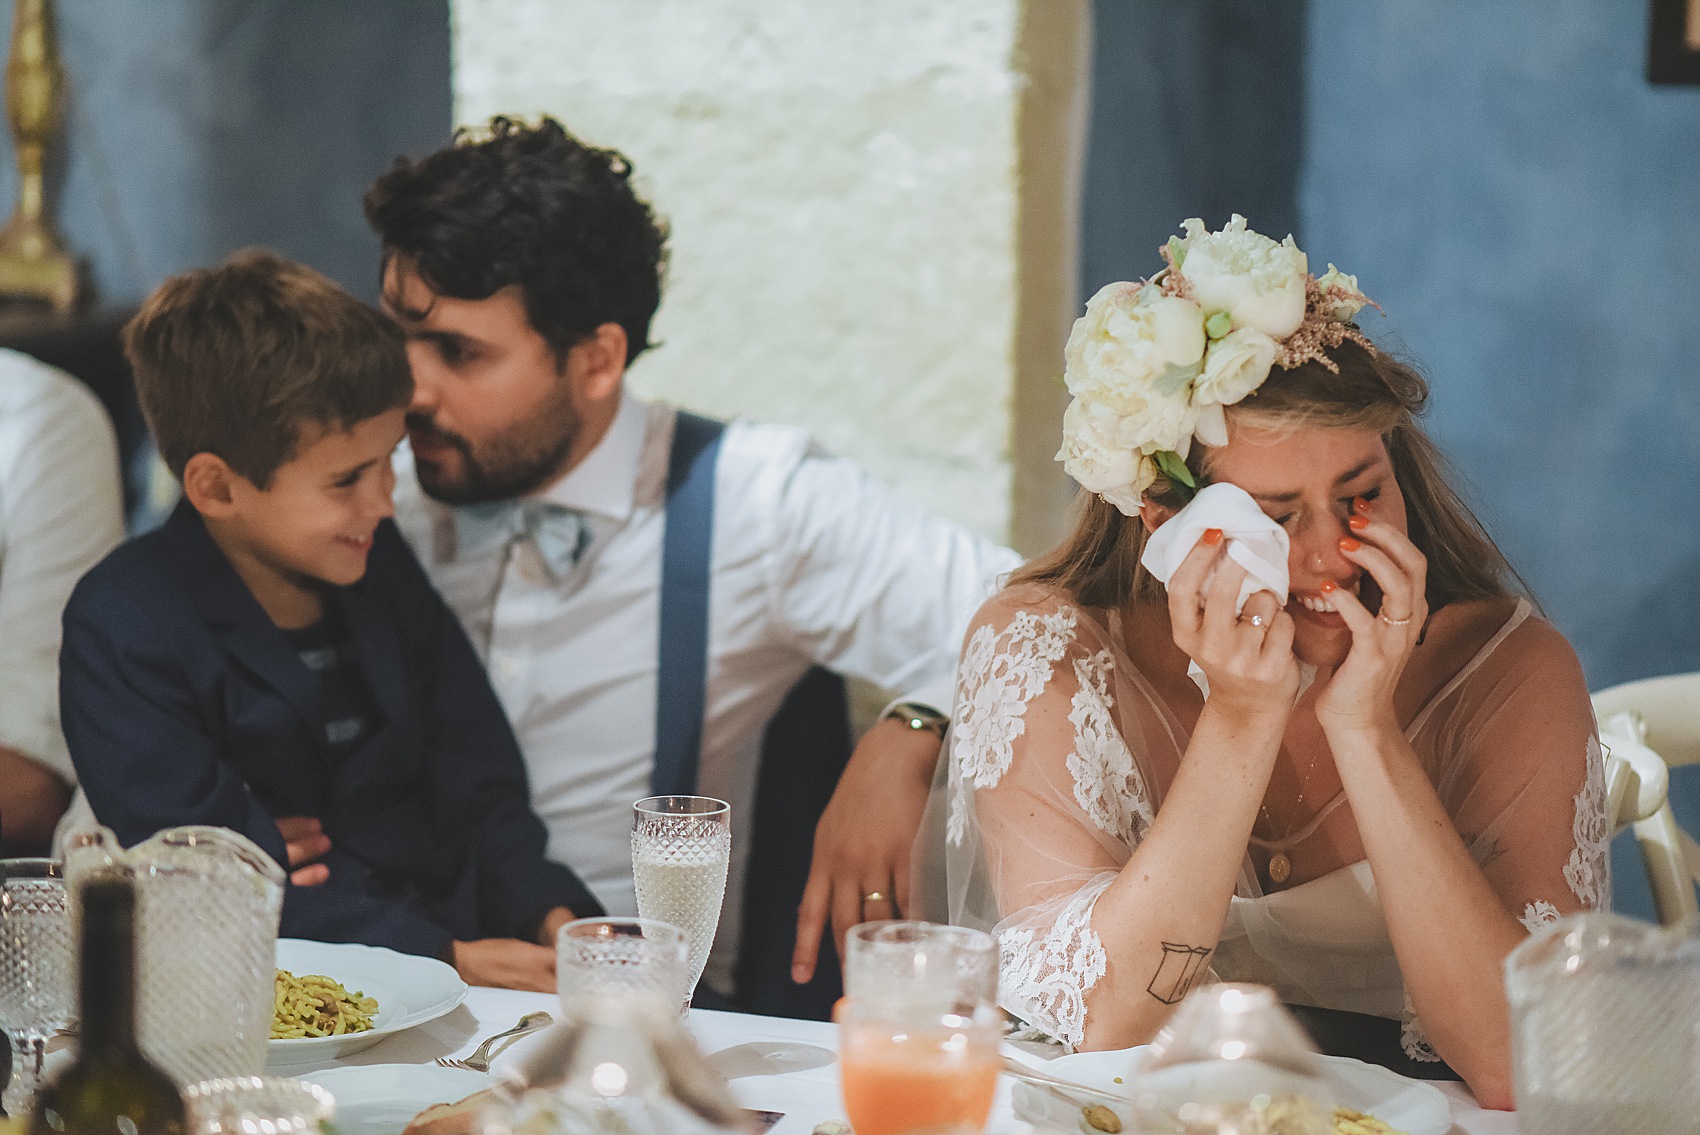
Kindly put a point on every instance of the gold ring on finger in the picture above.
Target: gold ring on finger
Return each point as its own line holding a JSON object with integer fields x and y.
{"x": 1254, "y": 620}
{"x": 1394, "y": 622}
{"x": 874, "y": 896}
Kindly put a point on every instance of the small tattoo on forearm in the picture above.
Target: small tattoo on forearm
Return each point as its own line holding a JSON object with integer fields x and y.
{"x": 1483, "y": 851}
{"x": 1180, "y": 969}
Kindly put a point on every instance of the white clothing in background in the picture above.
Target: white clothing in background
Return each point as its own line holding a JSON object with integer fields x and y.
{"x": 813, "y": 562}
{"x": 61, "y": 510}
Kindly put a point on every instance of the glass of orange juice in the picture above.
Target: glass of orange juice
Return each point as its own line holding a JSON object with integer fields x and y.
{"x": 908, "y": 1072}
{"x": 919, "y": 1029}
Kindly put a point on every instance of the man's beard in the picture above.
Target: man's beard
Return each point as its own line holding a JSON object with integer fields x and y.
{"x": 513, "y": 464}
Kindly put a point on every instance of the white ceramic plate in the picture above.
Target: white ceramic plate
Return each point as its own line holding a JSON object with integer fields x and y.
{"x": 379, "y": 1099}
{"x": 1407, "y": 1105}
{"x": 410, "y": 991}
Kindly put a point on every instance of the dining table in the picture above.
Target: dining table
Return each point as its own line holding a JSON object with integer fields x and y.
{"x": 773, "y": 1064}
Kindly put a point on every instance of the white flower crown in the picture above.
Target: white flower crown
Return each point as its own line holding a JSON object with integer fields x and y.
{"x": 1153, "y": 362}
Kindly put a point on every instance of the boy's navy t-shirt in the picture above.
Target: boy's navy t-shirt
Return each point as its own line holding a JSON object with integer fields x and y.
{"x": 327, "y": 650}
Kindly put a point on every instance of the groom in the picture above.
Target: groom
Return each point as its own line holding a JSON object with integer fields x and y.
{"x": 655, "y": 593}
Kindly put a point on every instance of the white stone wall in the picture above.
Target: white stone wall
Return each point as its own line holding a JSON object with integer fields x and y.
{"x": 856, "y": 245}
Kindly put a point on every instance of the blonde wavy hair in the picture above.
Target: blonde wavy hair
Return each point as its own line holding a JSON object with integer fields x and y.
{"x": 1098, "y": 563}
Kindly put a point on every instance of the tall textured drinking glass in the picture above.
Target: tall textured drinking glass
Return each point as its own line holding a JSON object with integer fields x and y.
{"x": 36, "y": 992}
{"x": 681, "y": 848}
{"x": 632, "y": 953}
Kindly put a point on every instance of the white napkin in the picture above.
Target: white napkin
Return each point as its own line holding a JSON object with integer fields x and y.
{"x": 1255, "y": 542}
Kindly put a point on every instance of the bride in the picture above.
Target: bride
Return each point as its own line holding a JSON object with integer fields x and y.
{"x": 1394, "y": 772}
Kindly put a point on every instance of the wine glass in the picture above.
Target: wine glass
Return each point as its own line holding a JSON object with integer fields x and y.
{"x": 36, "y": 994}
{"x": 681, "y": 848}
{"x": 635, "y": 953}
{"x": 918, "y": 1029}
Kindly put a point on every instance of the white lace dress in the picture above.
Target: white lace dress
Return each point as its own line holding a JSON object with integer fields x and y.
{"x": 1062, "y": 753}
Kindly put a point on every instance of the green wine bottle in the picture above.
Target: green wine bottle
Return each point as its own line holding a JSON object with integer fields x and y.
{"x": 111, "y": 1088}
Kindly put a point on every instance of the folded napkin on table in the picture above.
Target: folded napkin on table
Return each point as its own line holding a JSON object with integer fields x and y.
{"x": 1255, "y": 542}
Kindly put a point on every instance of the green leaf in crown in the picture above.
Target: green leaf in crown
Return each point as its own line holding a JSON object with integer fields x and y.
{"x": 1170, "y": 464}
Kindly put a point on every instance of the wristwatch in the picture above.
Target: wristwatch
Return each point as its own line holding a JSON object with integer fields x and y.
{"x": 917, "y": 716}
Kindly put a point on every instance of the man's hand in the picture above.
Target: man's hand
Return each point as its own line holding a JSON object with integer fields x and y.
{"x": 306, "y": 842}
{"x": 865, "y": 837}
{"x": 31, "y": 799}
{"x": 506, "y": 963}
{"x": 552, "y": 922}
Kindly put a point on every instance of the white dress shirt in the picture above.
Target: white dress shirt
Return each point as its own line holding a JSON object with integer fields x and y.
{"x": 812, "y": 562}
{"x": 60, "y": 511}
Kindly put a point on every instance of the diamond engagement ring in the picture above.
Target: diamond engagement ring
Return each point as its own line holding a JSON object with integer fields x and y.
{"x": 1254, "y": 620}
{"x": 1394, "y": 622}
{"x": 874, "y": 896}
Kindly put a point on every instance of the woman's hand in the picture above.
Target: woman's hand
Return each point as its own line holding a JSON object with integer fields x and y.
{"x": 1359, "y": 697}
{"x": 1248, "y": 657}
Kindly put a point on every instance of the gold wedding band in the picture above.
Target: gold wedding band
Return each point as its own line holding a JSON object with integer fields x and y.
{"x": 874, "y": 896}
{"x": 1395, "y": 622}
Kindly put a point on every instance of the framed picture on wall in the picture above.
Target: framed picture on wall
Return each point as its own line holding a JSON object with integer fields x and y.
{"x": 1673, "y": 41}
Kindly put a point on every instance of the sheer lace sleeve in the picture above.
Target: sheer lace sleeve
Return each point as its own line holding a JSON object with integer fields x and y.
{"x": 1046, "y": 799}
{"x": 1526, "y": 782}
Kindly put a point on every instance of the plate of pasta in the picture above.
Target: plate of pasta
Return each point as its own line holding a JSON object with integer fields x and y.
{"x": 336, "y": 998}
{"x": 1370, "y": 1100}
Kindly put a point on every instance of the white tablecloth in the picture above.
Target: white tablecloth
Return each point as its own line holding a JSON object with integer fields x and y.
{"x": 806, "y": 1092}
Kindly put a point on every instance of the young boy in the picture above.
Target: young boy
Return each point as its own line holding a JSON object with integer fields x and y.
{"x": 274, "y": 661}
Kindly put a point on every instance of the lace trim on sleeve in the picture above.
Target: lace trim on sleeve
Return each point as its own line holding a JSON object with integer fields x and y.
{"x": 1537, "y": 914}
{"x": 1589, "y": 871}
{"x": 1001, "y": 672}
{"x": 1413, "y": 1039}
{"x": 1047, "y": 972}
{"x": 1107, "y": 784}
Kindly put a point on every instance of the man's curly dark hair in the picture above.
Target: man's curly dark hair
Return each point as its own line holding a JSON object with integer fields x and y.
{"x": 533, "y": 206}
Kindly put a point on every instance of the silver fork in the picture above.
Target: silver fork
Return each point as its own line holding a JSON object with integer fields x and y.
{"x": 479, "y": 1061}
{"x": 1067, "y": 1089}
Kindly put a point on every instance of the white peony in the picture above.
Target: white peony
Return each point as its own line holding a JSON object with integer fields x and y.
{"x": 1133, "y": 347}
{"x": 1091, "y": 455}
{"x": 1235, "y": 365}
{"x": 1127, "y": 500}
{"x": 1342, "y": 310}
{"x": 1259, "y": 283}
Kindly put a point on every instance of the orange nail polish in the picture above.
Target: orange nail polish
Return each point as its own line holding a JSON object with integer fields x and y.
{"x": 1212, "y": 536}
{"x": 1347, "y": 544}
{"x": 1328, "y": 586}
{"x": 1357, "y": 523}
{"x": 1361, "y": 506}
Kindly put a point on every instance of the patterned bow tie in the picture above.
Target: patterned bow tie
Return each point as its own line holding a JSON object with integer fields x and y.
{"x": 559, "y": 534}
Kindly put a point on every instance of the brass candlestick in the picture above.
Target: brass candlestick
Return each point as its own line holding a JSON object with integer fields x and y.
{"x": 32, "y": 261}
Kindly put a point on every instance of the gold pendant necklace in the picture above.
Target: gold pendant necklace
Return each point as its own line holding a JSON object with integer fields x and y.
{"x": 1280, "y": 866}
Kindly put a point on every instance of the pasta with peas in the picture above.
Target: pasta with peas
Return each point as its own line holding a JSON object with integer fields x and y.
{"x": 314, "y": 1006}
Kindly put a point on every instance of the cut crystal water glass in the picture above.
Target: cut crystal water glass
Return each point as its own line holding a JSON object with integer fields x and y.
{"x": 635, "y": 953}
{"x": 681, "y": 849}
{"x": 37, "y": 993}
{"x": 257, "y": 1105}
{"x": 207, "y": 907}
{"x": 1603, "y": 1027}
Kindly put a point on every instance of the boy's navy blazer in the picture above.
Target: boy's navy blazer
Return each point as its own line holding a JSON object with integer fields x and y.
{"x": 184, "y": 704}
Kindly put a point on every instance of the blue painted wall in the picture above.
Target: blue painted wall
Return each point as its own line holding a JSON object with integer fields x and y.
{"x": 201, "y": 126}
{"x": 1525, "y": 206}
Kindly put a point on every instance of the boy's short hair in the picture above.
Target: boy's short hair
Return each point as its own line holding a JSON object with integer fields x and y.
{"x": 242, "y": 360}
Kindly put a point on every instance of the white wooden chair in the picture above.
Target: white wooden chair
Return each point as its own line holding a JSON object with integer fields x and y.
{"x": 1648, "y": 728}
